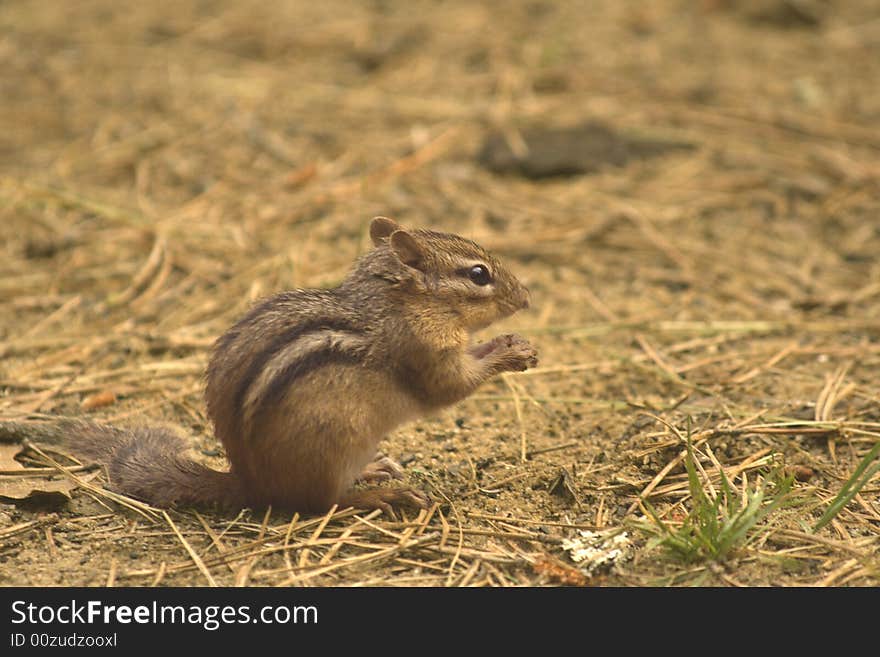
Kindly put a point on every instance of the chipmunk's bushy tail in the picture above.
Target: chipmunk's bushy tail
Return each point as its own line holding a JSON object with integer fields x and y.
{"x": 146, "y": 463}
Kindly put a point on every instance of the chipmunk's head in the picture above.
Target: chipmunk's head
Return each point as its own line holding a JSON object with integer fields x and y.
{"x": 453, "y": 272}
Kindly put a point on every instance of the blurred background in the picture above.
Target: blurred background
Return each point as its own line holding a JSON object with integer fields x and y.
{"x": 689, "y": 188}
{"x": 731, "y": 139}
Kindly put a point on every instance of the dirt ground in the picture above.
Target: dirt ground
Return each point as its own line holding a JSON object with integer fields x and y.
{"x": 165, "y": 164}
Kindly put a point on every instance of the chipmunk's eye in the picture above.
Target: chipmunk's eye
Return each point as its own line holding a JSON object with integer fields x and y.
{"x": 480, "y": 275}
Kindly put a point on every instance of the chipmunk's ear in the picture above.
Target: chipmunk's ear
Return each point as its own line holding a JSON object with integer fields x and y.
{"x": 381, "y": 228}
{"x": 407, "y": 249}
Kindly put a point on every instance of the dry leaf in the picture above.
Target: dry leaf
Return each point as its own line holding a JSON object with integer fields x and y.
{"x": 801, "y": 472}
{"x": 17, "y": 486}
{"x": 559, "y": 572}
{"x": 98, "y": 400}
{"x": 301, "y": 176}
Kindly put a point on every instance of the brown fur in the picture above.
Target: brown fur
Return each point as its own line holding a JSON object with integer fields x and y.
{"x": 304, "y": 386}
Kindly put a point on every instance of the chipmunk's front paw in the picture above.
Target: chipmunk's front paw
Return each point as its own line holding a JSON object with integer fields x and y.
{"x": 514, "y": 353}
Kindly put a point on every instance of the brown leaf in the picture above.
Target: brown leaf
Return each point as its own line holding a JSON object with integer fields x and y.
{"x": 801, "y": 472}
{"x": 301, "y": 176}
{"x": 99, "y": 400}
{"x": 17, "y": 486}
{"x": 559, "y": 572}
{"x": 7, "y": 454}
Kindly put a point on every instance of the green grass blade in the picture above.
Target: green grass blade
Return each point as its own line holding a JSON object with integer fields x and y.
{"x": 851, "y": 487}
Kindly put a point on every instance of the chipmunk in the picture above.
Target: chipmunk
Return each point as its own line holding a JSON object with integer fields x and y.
{"x": 303, "y": 387}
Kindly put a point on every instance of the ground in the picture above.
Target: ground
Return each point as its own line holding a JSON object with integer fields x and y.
{"x": 165, "y": 164}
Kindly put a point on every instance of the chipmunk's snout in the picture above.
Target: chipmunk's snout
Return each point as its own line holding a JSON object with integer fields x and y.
{"x": 512, "y": 297}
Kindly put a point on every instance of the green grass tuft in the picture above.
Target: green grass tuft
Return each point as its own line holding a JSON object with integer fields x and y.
{"x": 717, "y": 524}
